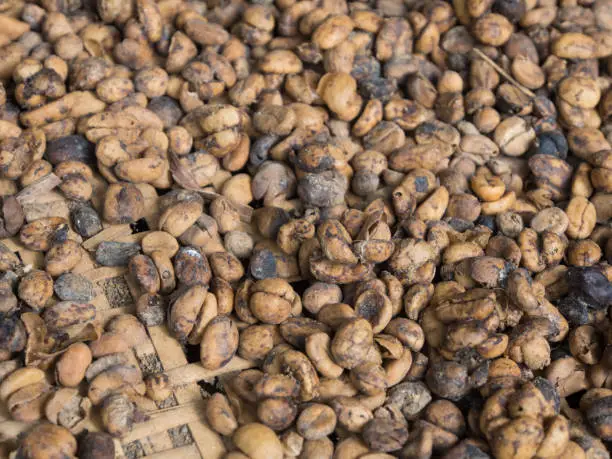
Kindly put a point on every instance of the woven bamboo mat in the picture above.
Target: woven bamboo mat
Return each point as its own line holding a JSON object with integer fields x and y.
{"x": 176, "y": 427}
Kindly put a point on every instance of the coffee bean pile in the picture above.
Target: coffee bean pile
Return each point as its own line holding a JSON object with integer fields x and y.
{"x": 397, "y": 213}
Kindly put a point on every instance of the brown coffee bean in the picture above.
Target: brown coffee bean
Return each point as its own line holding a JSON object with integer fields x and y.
{"x": 36, "y": 289}
{"x": 62, "y": 257}
{"x": 71, "y": 366}
{"x": 351, "y": 414}
{"x": 527, "y": 72}
{"x": 514, "y": 136}
{"x": 302, "y": 370}
{"x": 39, "y": 234}
{"x": 256, "y": 341}
{"x": 339, "y": 91}
{"x": 124, "y": 203}
{"x": 582, "y": 218}
{"x": 385, "y": 434}
{"x": 118, "y": 414}
{"x": 226, "y": 266}
{"x": 492, "y": 29}
{"x": 316, "y": 421}
{"x": 48, "y": 439}
{"x": 351, "y": 343}
{"x": 272, "y": 300}
{"x": 574, "y": 46}
{"x": 143, "y": 270}
{"x": 277, "y": 413}
{"x": 258, "y": 441}
{"x": 319, "y": 294}
{"x": 580, "y": 92}
{"x": 332, "y": 32}
{"x": 318, "y": 350}
{"x": 219, "y": 415}
{"x": 219, "y": 343}
{"x": 191, "y": 267}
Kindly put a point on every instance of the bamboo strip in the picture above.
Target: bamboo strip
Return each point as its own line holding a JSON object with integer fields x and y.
{"x": 183, "y": 452}
{"x": 166, "y": 419}
{"x": 193, "y": 372}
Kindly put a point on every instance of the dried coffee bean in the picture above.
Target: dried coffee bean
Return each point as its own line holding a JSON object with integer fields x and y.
{"x": 63, "y": 257}
{"x": 351, "y": 343}
{"x": 513, "y": 10}
{"x": 316, "y": 421}
{"x": 71, "y": 148}
{"x": 410, "y": 397}
{"x": 144, "y": 272}
{"x": 386, "y": 434}
{"x": 13, "y": 217}
{"x": 582, "y": 217}
{"x": 36, "y": 289}
{"x": 124, "y": 203}
{"x": 86, "y": 221}
{"x": 551, "y": 143}
{"x": 431, "y": 181}
{"x": 322, "y": 190}
{"x": 377, "y": 88}
{"x": 47, "y": 440}
{"x": 96, "y": 445}
{"x": 260, "y": 149}
{"x": 576, "y": 310}
{"x": 219, "y": 343}
{"x": 118, "y": 414}
{"x": 12, "y": 334}
{"x": 493, "y": 29}
{"x": 258, "y": 441}
{"x": 277, "y": 413}
{"x": 220, "y": 415}
{"x": 71, "y": 366}
{"x": 111, "y": 253}
{"x": 448, "y": 380}
{"x": 74, "y": 287}
{"x": 592, "y": 284}
{"x": 167, "y": 109}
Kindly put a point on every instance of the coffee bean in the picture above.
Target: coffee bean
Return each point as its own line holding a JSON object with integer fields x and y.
{"x": 111, "y": 253}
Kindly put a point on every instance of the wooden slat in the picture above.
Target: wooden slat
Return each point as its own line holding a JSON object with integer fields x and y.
{"x": 153, "y": 444}
{"x": 196, "y": 372}
{"x": 183, "y": 452}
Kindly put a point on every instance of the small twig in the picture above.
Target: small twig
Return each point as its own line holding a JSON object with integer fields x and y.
{"x": 503, "y": 73}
